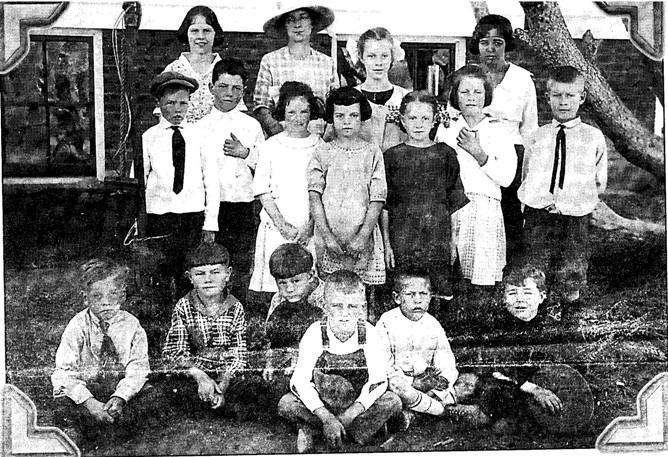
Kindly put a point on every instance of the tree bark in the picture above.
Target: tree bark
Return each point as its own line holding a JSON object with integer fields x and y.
{"x": 546, "y": 32}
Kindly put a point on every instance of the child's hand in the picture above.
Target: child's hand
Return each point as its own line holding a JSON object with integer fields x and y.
{"x": 468, "y": 140}
{"x": 207, "y": 389}
{"x": 357, "y": 245}
{"x": 96, "y": 409}
{"x": 389, "y": 257}
{"x": 332, "y": 244}
{"x": 304, "y": 235}
{"x": 234, "y": 148}
{"x": 288, "y": 231}
{"x": 547, "y": 400}
{"x": 208, "y": 236}
{"x": 114, "y": 407}
{"x": 268, "y": 374}
{"x": 218, "y": 400}
{"x": 333, "y": 431}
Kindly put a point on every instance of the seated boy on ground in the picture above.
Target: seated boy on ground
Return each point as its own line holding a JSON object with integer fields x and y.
{"x": 422, "y": 365}
{"x": 339, "y": 386}
{"x": 206, "y": 343}
{"x": 296, "y": 305}
{"x": 102, "y": 362}
{"x": 507, "y": 393}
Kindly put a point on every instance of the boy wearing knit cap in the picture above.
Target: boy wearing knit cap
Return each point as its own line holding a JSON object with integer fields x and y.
{"x": 296, "y": 305}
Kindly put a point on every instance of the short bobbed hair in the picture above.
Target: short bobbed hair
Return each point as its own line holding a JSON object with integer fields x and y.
{"x": 419, "y": 96}
{"x": 492, "y": 22}
{"x": 346, "y": 96}
{"x": 209, "y": 17}
{"x": 377, "y": 33}
{"x": 470, "y": 71}
{"x": 295, "y": 89}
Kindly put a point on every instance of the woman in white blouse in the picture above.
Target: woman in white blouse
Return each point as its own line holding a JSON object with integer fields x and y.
{"x": 514, "y": 102}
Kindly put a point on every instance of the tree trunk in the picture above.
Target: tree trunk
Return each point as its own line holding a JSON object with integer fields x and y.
{"x": 546, "y": 32}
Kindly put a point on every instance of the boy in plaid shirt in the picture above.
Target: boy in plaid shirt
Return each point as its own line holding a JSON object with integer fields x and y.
{"x": 207, "y": 338}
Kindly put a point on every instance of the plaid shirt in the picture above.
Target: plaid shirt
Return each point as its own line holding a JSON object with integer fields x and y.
{"x": 212, "y": 344}
{"x": 278, "y": 67}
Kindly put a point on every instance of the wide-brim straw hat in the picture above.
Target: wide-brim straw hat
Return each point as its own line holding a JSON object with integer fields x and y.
{"x": 321, "y": 17}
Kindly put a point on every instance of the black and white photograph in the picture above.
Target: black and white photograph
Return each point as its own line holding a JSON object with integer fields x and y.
{"x": 333, "y": 226}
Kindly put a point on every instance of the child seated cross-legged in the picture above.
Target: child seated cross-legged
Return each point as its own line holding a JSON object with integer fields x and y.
{"x": 206, "y": 342}
{"x": 422, "y": 365}
{"x": 102, "y": 362}
{"x": 297, "y": 304}
{"x": 339, "y": 386}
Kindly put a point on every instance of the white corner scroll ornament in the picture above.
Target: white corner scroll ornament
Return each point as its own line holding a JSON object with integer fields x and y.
{"x": 648, "y": 429}
{"x": 20, "y": 434}
{"x": 16, "y": 20}
{"x": 644, "y": 21}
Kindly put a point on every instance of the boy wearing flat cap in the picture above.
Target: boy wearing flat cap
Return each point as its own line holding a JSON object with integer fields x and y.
{"x": 297, "y": 304}
{"x": 181, "y": 176}
{"x": 297, "y": 61}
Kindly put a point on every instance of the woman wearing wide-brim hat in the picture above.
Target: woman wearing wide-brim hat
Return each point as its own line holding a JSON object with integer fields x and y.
{"x": 298, "y": 61}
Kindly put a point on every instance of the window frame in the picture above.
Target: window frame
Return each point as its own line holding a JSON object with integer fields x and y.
{"x": 94, "y": 38}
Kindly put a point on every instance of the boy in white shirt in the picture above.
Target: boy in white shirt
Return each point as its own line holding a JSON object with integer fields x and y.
{"x": 422, "y": 365}
{"x": 181, "y": 176}
{"x": 233, "y": 137}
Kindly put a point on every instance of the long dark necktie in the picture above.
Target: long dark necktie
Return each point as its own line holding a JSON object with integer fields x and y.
{"x": 109, "y": 360}
{"x": 178, "y": 158}
{"x": 559, "y": 156}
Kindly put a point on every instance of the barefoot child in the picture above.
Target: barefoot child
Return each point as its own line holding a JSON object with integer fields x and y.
{"x": 423, "y": 190}
{"x": 422, "y": 365}
{"x": 102, "y": 361}
{"x": 340, "y": 381}
{"x": 206, "y": 342}
{"x": 347, "y": 191}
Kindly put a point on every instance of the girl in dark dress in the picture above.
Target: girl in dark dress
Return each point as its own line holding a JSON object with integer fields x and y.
{"x": 424, "y": 189}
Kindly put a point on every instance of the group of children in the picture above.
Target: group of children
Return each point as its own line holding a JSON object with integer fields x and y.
{"x": 335, "y": 217}
{"x": 327, "y": 368}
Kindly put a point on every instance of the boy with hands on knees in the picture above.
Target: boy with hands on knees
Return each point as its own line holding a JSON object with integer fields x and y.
{"x": 102, "y": 362}
{"x": 339, "y": 386}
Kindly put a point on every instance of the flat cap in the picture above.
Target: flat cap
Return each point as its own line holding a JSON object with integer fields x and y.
{"x": 172, "y": 78}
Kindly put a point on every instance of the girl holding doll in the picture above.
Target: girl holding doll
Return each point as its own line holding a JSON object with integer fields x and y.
{"x": 347, "y": 191}
{"x": 487, "y": 161}
{"x": 376, "y": 50}
{"x": 423, "y": 190}
{"x": 280, "y": 181}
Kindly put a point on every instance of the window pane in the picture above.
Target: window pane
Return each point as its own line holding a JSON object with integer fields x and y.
{"x": 48, "y": 105}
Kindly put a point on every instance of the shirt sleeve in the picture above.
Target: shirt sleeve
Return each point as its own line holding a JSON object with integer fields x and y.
{"x": 238, "y": 346}
{"x": 601, "y": 163}
{"x": 147, "y": 156}
{"x": 264, "y": 81}
{"x": 176, "y": 348}
{"x": 456, "y": 197}
{"x": 444, "y": 358}
{"x": 386, "y": 343}
{"x": 262, "y": 178}
{"x": 301, "y": 382}
{"x": 316, "y": 171}
{"x": 376, "y": 361}
{"x": 137, "y": 368}
{"x": 211, "y": 186}
{"x": 378, "y": 187}
{"x": 501, "y": 157}
{"x": 254, "y": 147}
{"x": 529, "y": 123}
{"x": 67, "y": 379}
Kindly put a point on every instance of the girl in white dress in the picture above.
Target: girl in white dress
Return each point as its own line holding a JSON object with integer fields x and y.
{"x": 280, "y": 181}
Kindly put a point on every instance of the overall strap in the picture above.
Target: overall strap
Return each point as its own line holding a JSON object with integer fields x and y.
{"x": 323, "y": 333}
{"x": 361, "y": 332}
